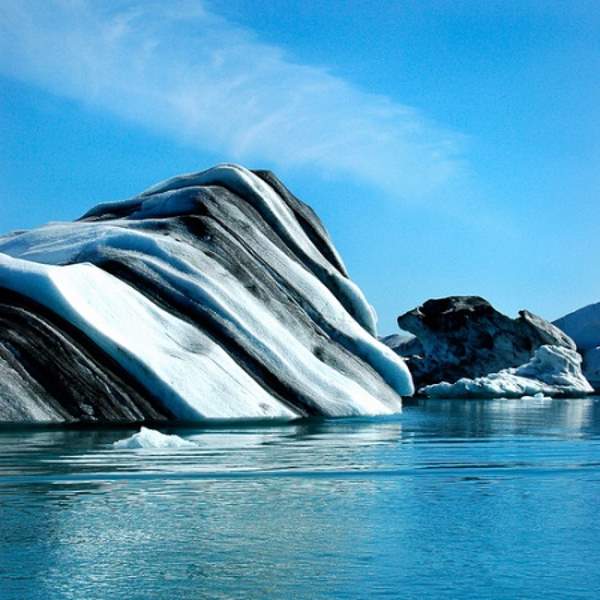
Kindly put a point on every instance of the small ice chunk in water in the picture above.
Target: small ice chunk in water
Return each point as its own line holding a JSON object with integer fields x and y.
{"x": 150, "y": 438}
{"x": 536, "y": 396}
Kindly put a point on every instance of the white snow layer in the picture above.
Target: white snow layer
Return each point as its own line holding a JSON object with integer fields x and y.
{"x": 152, "y": 439}
{"x": 190, "y": 373}
{"x": 173, "y": 359}
{"x": 553, "y": 370}
{"x": 276, "y": 212}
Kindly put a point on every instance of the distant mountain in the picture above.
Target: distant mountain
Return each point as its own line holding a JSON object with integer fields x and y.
{"x": 583, "y": 326}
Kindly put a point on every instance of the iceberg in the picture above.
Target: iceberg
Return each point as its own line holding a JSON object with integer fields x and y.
{"x": 465, "y": 336}
{"x": 214, "y": 295}
{"x": 147, "y": 438}
{"x": 553, "y": 371}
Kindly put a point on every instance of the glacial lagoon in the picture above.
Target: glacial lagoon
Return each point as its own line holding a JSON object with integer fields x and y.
{"x": 450, "y": 499}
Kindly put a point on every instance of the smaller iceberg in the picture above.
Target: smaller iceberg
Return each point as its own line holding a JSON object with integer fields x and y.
{"x": 150, "y": 438}
{"x": 466, "y": 337}
{"x": 552, "y": 371}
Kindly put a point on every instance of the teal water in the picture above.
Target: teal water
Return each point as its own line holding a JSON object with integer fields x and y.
{"x": 451, "y": 499}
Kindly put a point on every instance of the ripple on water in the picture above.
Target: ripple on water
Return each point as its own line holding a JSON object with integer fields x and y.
{"x": 450, "y": 499}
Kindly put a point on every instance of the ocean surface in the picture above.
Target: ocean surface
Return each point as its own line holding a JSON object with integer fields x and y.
{"x": 450, "y": 499}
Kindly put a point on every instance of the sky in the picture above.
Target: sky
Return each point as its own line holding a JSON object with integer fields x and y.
{"x": 450, "y": 147}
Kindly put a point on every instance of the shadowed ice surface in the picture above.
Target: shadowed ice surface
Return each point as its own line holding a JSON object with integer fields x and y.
{"x": 451, "y": 499}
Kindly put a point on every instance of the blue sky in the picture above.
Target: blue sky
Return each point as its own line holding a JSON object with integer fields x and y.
{"x": 449, "y": 147}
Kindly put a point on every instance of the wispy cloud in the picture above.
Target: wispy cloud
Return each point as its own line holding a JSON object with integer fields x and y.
{"x": 181, "y": 69}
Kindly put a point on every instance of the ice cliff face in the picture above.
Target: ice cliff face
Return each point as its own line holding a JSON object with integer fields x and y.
{"x": 553, "y": 371}
{"x": 465, "y": 336}
{"x": 214, "y": 295}
{"x": 583, "y": 326}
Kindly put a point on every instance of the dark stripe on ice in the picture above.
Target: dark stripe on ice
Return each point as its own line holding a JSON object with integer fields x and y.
{"x": 80, "y": 381}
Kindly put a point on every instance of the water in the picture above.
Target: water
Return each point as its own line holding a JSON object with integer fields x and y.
{"x": 451, "y": 499}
